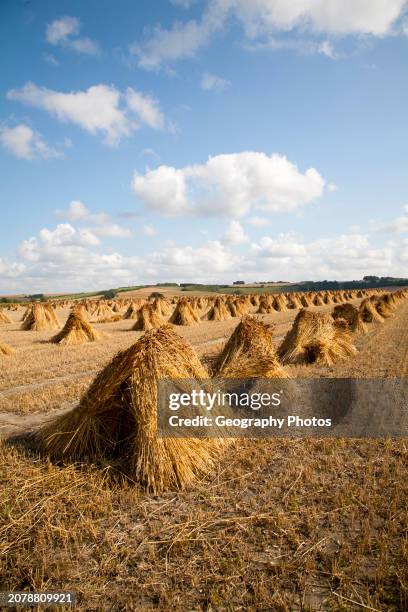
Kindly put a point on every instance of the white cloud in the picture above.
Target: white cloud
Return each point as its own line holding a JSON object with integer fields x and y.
{"x": 99, "y": 109}
{"x": 64, "y": 31}
{"x": 86, "y": 46}
{"x": 332, "y": 187}
{"x": 282, "y": 247}
{"x": 181, "y": 41}
{"x": 146, "y": 107}
{"x": 56, "y": 243}
{"x": 344, "y": 257}
{"x": 162, "y": 190}
{"x": 207, "y": 261}
{"x": 10, "y": 269}
{"x": 301, "y": 45}
{"x": 339, "y": 17}
{"x": 67, "y": 266}
{"x": 399, "y": 225}
{"x": 235, "y": 234}
{"x": 76, "y": 210}
{"x": 326, "y": 48}
{"x": 229, "y": 185}
{"x": 256, "y": 221}
{"x": 66, "y": 235}
{"x": 24, "y": 143}
{"x": 169, "y": 45}
{"x": 65, "y": 259}
{"x": 212, "y": 82}
{"x": 101, "y": 224}
{"x": 149, "y": 230}
{"x": 112, "y": 230}
{"x": 261, "y": 18}
{"x": 61, "y": 260}
{"x": 61, "y": 29}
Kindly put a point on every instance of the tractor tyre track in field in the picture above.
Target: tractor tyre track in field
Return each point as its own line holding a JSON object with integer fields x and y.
{"x": 46, "y": 383}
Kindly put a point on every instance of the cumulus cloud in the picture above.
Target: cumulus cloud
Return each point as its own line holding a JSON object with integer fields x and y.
{"x": 10, "y": 269}
{"x": 343, "y": 257}
{"x": 235, "y": 234}
{"x": 339, "y": 17}
{"x": 101, "y": 224}
{"x": 399, "y": 225}
{"x": 66, "y": 258}
{"x": 112, "y": 230}
{"x": 49, "y": 267}
{"x": 229, "y": 185}
{"x": 64, "y": 32}
{"x": 23, "y": 142}
{"x": 76, "y": 210}
{"x": 187, "y": 262}
{"x": 101, "y": 109}
{"x": 266, "y": 18}
{"x": 53, "y": 243}
{"x": 211, "y": 82}
{"x": 146, "y": 107}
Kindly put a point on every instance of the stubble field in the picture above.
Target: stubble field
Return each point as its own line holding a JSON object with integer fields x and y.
{"x": 280, "y": 524}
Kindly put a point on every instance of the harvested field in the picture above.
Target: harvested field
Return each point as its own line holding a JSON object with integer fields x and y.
{"x": 274, "y": 525}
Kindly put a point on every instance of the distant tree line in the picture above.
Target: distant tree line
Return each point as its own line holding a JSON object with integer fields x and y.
{"x": 368, "y": 282}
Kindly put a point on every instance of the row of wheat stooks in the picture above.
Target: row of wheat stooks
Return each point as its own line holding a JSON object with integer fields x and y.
{"x": 116, "y": 418}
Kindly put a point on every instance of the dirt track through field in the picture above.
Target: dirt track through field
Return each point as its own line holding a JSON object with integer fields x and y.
{"x": 13, "y": 424}
{"x": 45, "y": 383}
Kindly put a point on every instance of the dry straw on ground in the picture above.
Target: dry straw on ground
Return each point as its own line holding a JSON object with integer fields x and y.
{"x": 5, "y": 349}
{"x": 116, "y": 420}
{"x": 315, "y": 339}
{"x": 76, "y": 330}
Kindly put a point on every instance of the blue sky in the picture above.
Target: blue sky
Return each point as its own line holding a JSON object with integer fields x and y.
{"x": 202, "y": 141}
